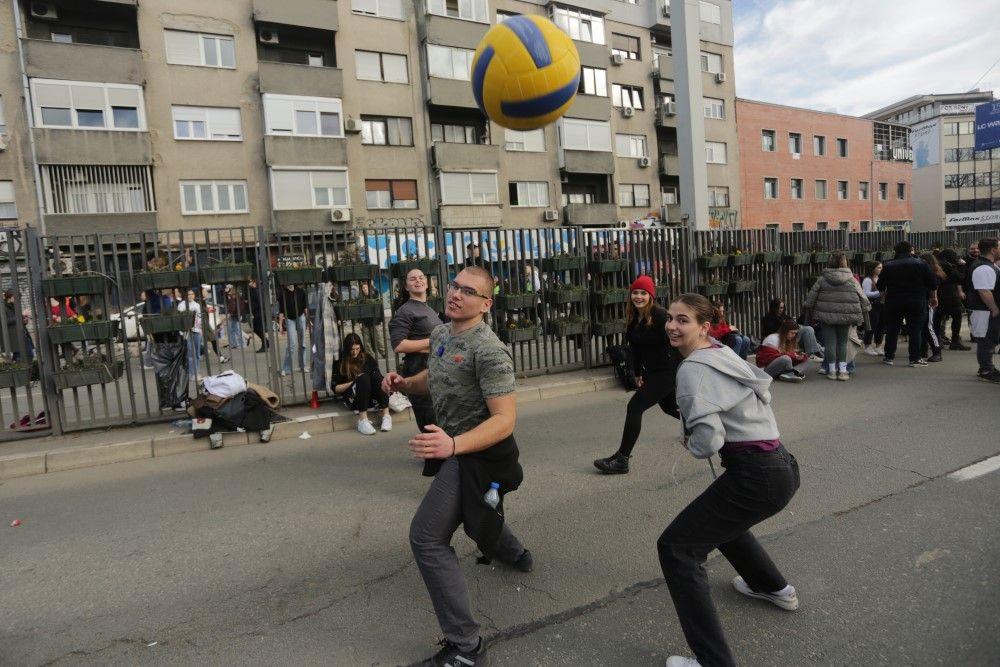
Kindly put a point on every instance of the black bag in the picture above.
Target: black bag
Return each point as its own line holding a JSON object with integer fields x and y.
{"x": 621, "y": 363}
{"x": 170, "y": 367}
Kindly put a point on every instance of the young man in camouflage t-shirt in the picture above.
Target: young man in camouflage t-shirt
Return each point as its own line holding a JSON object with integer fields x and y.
{"x": 470, "y": 378}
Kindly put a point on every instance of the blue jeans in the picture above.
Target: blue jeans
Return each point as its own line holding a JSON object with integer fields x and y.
{"x": 739, "y": 343}
{"x": 193, "y": 352}
{"x": 296, "y": 339}
{"x": 235, "y": 333}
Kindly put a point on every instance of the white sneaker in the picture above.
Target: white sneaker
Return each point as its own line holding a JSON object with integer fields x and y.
{"x": 365, "y": 427}
{"x": 386, "y": 423}
{"x": 789, "y": 600}
{"x": 815, "y": 357}
{"x": 681, "y": 661}
{"x": 822, "y": 370}
{"x": 265, "y": 435}
{"x": 871, "y": 351}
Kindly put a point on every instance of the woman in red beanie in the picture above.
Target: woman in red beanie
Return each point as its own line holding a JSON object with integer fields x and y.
{"x": 655, "y": 362}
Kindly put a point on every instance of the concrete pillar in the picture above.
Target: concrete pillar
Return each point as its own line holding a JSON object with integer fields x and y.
{"x": 685, "y": 19}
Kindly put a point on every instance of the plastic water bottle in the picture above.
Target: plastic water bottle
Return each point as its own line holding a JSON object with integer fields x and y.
{"x": 492, "y": 496}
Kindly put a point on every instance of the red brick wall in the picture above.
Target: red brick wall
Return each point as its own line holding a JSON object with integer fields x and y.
{"x": 756, "y": 164}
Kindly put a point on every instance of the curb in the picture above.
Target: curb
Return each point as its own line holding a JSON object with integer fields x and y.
{"x": 71, "y": 458}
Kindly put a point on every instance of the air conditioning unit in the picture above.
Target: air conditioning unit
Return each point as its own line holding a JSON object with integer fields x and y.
{"x": 720, "y": 77}
{"x": 352, "y": 125}
{"x": 61, "y": 266}
{"x": 43, "y": 10}
{"x": 665, "y": 10}
{"x": 551, "y": 215}
{"x": 340, "y": 215}
{"x": 670, "y": 108}
{"x": 627, "y": 112}
{"x": 267, "y": 37}
{"x": 644, "y": 161}
{"x": 617, "y": 59}
{"x": 796, "y": 156}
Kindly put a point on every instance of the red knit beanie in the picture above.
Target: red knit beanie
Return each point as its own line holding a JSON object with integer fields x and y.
{"x": 644, "y": 283}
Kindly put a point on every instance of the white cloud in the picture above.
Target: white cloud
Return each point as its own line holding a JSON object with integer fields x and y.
{"x": 855, "y": 56}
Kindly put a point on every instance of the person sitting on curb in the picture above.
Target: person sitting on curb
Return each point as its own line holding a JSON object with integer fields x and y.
{"x": 771, "y": 322}
{"x": 727, "y": 334}
{"x": 779, "y": 354}
{"x": 358, "y": 383}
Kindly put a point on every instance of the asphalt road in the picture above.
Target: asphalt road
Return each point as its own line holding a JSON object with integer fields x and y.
{"x": 297, "y": 553}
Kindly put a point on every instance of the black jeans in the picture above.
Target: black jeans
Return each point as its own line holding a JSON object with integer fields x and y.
{"x": 657, "y": 388}
{"x": 876, "y": 329}
{"x": 914, "y": 309}
{"x": 955, "y": 312}
{"x": 365, "y": 394}
{"x": 753, "y": 487}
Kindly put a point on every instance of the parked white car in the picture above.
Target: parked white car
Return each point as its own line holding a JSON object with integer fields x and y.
{"x": 130, "y": 319}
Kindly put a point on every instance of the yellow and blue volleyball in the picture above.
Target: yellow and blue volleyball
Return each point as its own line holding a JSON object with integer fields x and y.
{"x": 525, "y": 73}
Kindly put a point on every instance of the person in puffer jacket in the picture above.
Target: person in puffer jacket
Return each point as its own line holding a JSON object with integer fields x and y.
{"x": 837, "y": 303}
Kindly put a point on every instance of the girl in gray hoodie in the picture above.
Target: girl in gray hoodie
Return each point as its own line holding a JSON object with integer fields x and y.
{"x": 725, "y": 408}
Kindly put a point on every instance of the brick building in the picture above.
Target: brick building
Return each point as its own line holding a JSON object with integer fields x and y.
{"x": 804, "y": 170}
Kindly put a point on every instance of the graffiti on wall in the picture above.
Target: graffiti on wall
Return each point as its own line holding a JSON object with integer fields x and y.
{"x": 720, "y": 217}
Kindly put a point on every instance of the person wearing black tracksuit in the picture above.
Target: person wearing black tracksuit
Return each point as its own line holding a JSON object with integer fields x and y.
{"x": 950, "y": 299}
{"x": 909, "y": 288}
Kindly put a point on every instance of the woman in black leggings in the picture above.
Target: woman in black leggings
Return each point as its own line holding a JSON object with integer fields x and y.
{"x": 655, "y": 365}
{"x": 358, "y": 382}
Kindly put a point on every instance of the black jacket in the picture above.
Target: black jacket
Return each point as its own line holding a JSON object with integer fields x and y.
{"x": 972, "y": 298}
{"x": 651, "y": 351}
{"x": 948, "y": 290}
{"x": 906, "y": 277}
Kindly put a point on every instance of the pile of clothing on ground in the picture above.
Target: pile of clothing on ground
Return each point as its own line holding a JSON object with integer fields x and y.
{"x": 227, "y": 402}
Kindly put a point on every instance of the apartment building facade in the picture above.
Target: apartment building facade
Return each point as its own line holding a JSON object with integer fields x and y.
{"x": 956, "y": 185}
{"x": 806, "y": 170}
{"x": 302, "y": 115}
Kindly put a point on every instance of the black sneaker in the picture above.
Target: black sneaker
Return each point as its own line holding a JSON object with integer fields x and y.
{"x": 934, "y": 357}
{"x": 616, "y": 464}
{"x": 990, "y": 376}
{"x": 524, "y": 562}
{"x": 959, "y": 346}
{"x": 451, "y": 656}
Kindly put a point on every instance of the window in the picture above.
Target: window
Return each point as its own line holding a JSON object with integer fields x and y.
{"x": 299, "y": 189}
{"x": 458, "y": 134}
{"x": 715, "y": 152}
{"x": 203, "y": 50}
{"x": 62, "y": 37}
{"x": 524, "y": 140}
{"x": 901, "y": 191}
{"x": 794, "y": 143}
{"x": 819, "y": 146}
{"x": 798, "y": 226}
{"x": 967, "y": 127}
{"x": 633, "y": 194}
{"x": 302, "y": 116}
{"x": 842, "y": 147}
{"x": 669, "y": 195}
{"x": 314, "y": 60}
{"x": 767, "y": 141}
{"x": 593, "y": 81}
{"x": 83, "y": 105}
{"x": 82, "y": 189}
{"x": 820, "y": 189}
{"x": 845, "y": 225}
{"x": 883, "y": 191}
{"x": 630, "y": 145}
{"x": 390, "y": 194}
{"x": 822, "y": 226}
{"x": 842, "y": 190}
{"x": 386, "y": 131}
{"x": 864, "y": 226}
{"x": 711, "y": 62}
{"x": 770, "y": 188}
{"x": 718, "y": 196}
{"x": 449, "y": 62}
{"x": 8, "y": 209}
{"x": 375, "y": 66}
{"x": 579, "y": 24}
{"x": 773, "y": 225}
{"x": 206, "y": 123}
{"x": 796, "y": 188}
{"x": 626, "y": 96}
{"x": 389, "y": 9}
{"x": 625, "y": 46}
{"x": 204, "y": 197}
{"x": 503, "y": 16}
{"x": 529, "y": 193}
{"x": 585, "y": 135}
{"x": 710, "y": 13}
{"x": 468, "y": 188}
{"x": 3, "y": 121}
{"x": 714, "y": 108}
{"x": 467, "y": 10}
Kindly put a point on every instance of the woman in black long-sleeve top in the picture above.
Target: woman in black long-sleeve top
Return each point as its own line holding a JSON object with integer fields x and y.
{"x": 655, "y": 363}
{"x": 950, "y": 297}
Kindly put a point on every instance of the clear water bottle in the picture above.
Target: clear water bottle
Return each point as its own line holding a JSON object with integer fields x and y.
{"x": 492, "y": 496}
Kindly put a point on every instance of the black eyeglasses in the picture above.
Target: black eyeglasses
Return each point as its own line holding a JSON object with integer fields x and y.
{"x": 465, "y": 290}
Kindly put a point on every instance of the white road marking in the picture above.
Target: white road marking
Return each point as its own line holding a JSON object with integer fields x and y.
{"x": 976, "y": 469}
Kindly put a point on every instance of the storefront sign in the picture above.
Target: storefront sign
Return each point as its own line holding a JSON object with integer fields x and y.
{"x": 966, "y": 219}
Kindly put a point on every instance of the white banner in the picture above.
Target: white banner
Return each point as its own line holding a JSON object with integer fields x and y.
{"x": 925, "y": 140}
{"x": 964, "y": 219}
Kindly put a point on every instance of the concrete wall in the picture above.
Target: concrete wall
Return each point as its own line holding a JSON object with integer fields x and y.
{"x": 15, "y": 160}
{"x": 322, "y": 14}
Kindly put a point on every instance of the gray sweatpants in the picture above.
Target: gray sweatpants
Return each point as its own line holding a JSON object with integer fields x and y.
{"x": 436, "y": 520}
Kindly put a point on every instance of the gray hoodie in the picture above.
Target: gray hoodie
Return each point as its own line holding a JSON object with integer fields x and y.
{"x": 723, "y": 399}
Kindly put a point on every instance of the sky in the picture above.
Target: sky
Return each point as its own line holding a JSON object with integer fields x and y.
{"x": 855, "y": 56}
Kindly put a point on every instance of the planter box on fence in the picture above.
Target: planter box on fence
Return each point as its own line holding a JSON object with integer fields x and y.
{"x": 558, "y": 297}
{"x": 821, "y": 257}
{"x": 713, "y": 289}
{"x": 550, "y": 264}
{"x": 745, "y": 259}
{"x": 227, "y": 273}
{"x": 608, "y": 328}
{"x": 153, "y": 280}
{"x": 608, "y": 265}
{"x": 564, "y": 329}
{"x": 72, "y": 333}
{"x": 303, "y": 275}
{"x": 166, "y": 323}
{"x": 516, "y": 301}
{"x": 519, "y": 335}
{"x": 864, "y": 256}
{"x": 73, "y": 285}
{"x": 712, "y": 261}
{"x": 609, "y": 297}
{"x": 20, "y": 377}
{"x": 663, "y": 291}
{"x": 883, "y": 255}
{"x": 86, "y": 377}
{"x": 768, "y": 257}
{"x": 796, "y": 258}
{"x": 347, "y": 272}
{"x": 741, "y": 286}
{"x": 359, "y": 311}
{"x": 428, "y": 266}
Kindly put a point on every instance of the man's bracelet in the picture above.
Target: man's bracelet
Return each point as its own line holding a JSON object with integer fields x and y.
{"x": 454, "y": 446}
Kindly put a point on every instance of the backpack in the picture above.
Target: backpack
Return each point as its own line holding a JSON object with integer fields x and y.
{"x": 621, "y": 364}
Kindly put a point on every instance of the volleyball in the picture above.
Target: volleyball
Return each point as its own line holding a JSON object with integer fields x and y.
{"x": 525, "y": 73}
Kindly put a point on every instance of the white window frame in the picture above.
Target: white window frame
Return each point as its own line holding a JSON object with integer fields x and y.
{"x": 3, "y": 119}
{"x": 591, "y": 127}
{"x": 524, "y": 141}
{"x": 477, "y": 11}
{"x": 454, "y": 54}
{"x": 774, "y": 140}
{"x": 300, "y": 103}
{"x": 793, "y": 139}
{"x": 471, "y": 201}
{"x": 107, "y": 110}
{"x": 714, "y": 108}
{"x": 816, "y": 189}
{"x": 792, "y": 188}
{"x": 381, "y": 64}
{"x": 716, "y": 195}
{"x": 709, "y": 59}
{"x": 864, "y": 190}
{"x": 8, "y": 204}
{"x": 669, "y": 195}
{"x": 579, "y": 24}
{"x": 631, "y": 145}
{"x": 631, "y": 199}
{"x": 710, "y": 13}
{"x": 207, "y": 113}
{"x": 846, "y": 145}
{"x": 531, "y": 194}
{"x": 386, "y": 121}
{"x": 383, "y": 9}
{"x": 770, "y": 180}
{"x": 216, "y": 185}
{"x": 819, "y": 142}
{"x": 594, "y": 78}
{"x": 202, "y": 53}
{"x": 391, "y": 203}
{"x": 634, "y": 96}
{"x": 845, "y": 194}
{"x": 313, "y": 202}
{"x": 712, "y": 149}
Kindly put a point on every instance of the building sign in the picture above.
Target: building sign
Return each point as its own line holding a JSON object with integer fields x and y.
{"x": 722, "y": 217}
{"x": 966, "y": 219}
{"x": 955, "y": 109}
{"x": 925, "y": 141}
{"x": 988, "y": 126}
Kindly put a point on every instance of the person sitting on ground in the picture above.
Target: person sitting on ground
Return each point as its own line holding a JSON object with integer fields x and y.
{"x": 779, "y": 354}
{"x": 771, "y": 322}
{"x": 838, "y": 303}
{"x": 358, "y": 382}
{"x": 727, "y": 334}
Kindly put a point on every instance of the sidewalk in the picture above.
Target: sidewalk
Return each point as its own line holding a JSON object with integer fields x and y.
{"x": 94, "y": 448}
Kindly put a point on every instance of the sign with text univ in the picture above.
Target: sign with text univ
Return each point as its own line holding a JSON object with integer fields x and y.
{"x": 988, "y": 126}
